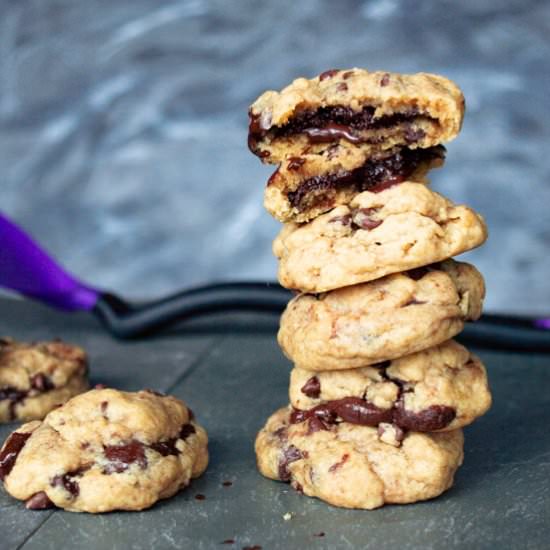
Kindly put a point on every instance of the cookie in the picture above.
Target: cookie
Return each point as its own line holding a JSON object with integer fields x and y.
{"x": 399, "y": 228}
{"x": 304, "y": 187}
{"x": 350, "y": 466}
{"x": 439, "y": 389}
{"x": 105, "y": 450}
{"x": 396, "y": 315}
{"x": 35, "y": 378}
{"x": 375, "y": 110}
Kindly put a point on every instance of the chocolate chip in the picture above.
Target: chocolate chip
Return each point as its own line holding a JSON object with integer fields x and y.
{"x": 385, "y": 80}
{"x": 412, "y": 135}
{"x": 227, "y": 483}
{"x": 190, "y": 414}
{"x": 381, "y": 365}
{"x": 281, "y": 433}
{"x": 413, "y": 302}
{"x": 362, "y": 218}
{"x": 186, "y": 431}
{"x": 14, "y": 396}
{"x": 347, "y": 74}
{"x": 342, "y": 87}
{"x": 417, "y": 273}
{"x": 39, "y": 501}
{"x": 8, "y": 456}
{"x": 328, "y": 74}
{"x": 339, "y": 464}
{"x": 312, "y": 388}
{"x": 41, "y": 382}
{"x": 70, "y": 485}
{"x": 434, "y": 417}
{"x": 344, "y": 220}
{"x": 165, "y": 448}
{"x": 121, "y": 456}
{"x": 294, "y": 163}
{"x": 290, "y": 454}
{"x": 104, "y": 405}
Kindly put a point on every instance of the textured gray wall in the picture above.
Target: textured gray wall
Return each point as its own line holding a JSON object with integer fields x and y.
{"x": 123, "y": 127}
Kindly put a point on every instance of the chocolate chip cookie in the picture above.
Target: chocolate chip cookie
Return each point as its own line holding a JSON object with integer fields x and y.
{"x": 375, "y": 110}
{"x": 399, "y": 228}
{"x": 351, "y": 466}
{"x": 439, "y": 389}
{"x": 304, "y": 187}
{"x": 105, "y": 450}
{"x": 396, "y": 315}
{"x": 37, "y": 377}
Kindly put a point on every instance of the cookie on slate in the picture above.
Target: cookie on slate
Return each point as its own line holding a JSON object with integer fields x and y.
{"x": 350, "y": 466}
{"x": 383, "y": 319}
{"x": 105, "y": 450}
{"x": 439, "y": 389}
{"x": 402, "y": 227}
{"x": 375, "y": 110}
{"x": 37, "y": 377}
{"x": 304, "y": 187}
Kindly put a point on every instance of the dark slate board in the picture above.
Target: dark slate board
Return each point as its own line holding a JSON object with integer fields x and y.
{"x": 232, "y": 374}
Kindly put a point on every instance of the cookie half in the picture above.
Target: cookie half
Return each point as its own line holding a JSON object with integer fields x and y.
{"x": 349, "y": 466}
{"x": 375, "y": 110}
{"x": 304, "y": 187}
{"x": 396, "y": 315}
{"x": 105, "y": 450}
{"x": 439, "y": 389}
{"x": 399, "y": 228}
{"x": 35, "y": 378}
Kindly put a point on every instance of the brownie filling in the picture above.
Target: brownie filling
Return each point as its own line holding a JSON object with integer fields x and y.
{"x": 10, "y": 452}
{"x": 356, "y": 410}
{"x": 328, "y": 124}
{"x": 375, "y": 175}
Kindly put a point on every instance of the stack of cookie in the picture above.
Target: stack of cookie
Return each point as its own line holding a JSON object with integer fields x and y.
{"x": 379, "y": 391}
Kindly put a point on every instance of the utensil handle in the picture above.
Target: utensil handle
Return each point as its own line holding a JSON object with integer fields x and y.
{"x": 26, "y": 268}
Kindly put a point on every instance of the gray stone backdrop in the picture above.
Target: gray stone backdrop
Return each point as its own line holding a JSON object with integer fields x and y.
{"x": 123, "y": 127}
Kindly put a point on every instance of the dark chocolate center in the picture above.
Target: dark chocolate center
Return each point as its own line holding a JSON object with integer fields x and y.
{"x": 375, "y": 175}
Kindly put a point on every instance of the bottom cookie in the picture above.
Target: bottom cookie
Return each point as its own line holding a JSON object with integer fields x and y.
{"x": 105, "y": 450}
{"x": 352, "y": 467}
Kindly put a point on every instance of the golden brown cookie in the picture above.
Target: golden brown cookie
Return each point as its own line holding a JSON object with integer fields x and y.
{"x": 375, "y": 110}
{"x": 304, "y": 187}
{"x": 35, "y": 378}
{"x": 439, "y": 389}
{"x": 396, "y": 315}
{"x": 399, "y": 228}
{"x": 105, "y": 450}
{"x": 350, "y": 466}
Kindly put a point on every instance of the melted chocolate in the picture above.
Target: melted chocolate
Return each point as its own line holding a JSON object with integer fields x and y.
{"x": 187, "y": 430}
{"x": 41, "y": 382}
{"x": 435, "y": 417}
{"x": 166, "y": 448}
{"x": 356, "y": 410}
{"x": 290, "y": 454}
{"x": 16, "y": 441}
{"x": 66, "y": 481}
{"x": 369, "y": 177}
{"x": 328, "y": 74}
{"x": 121, "y": 456}
{"x": 328, "y": 124}
{"x": 312, "y": 388}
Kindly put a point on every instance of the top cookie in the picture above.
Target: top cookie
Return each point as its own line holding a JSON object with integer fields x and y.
{"x": 378, "y": 110}
{"x": 35, "y": 378}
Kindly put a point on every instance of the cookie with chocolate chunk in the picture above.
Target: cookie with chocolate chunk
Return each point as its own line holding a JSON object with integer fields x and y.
{"x": 37, "y": 377}
{"x": 402, "y": 227}
{"x": 105, "y": 450}
{"x": 396, "y": 315}
{"x": 351, "y": 466}
{"x": 374, "y": 110}
{"x": 304, "y": 187}
{"x": 439, "y": 389}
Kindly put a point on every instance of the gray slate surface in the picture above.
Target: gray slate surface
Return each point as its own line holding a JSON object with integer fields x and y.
{"x": 123, "y": 127}
{"x": 230, "y": 371}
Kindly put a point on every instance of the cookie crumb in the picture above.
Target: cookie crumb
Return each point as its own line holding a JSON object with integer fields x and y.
{"x": 287, "y": 516}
